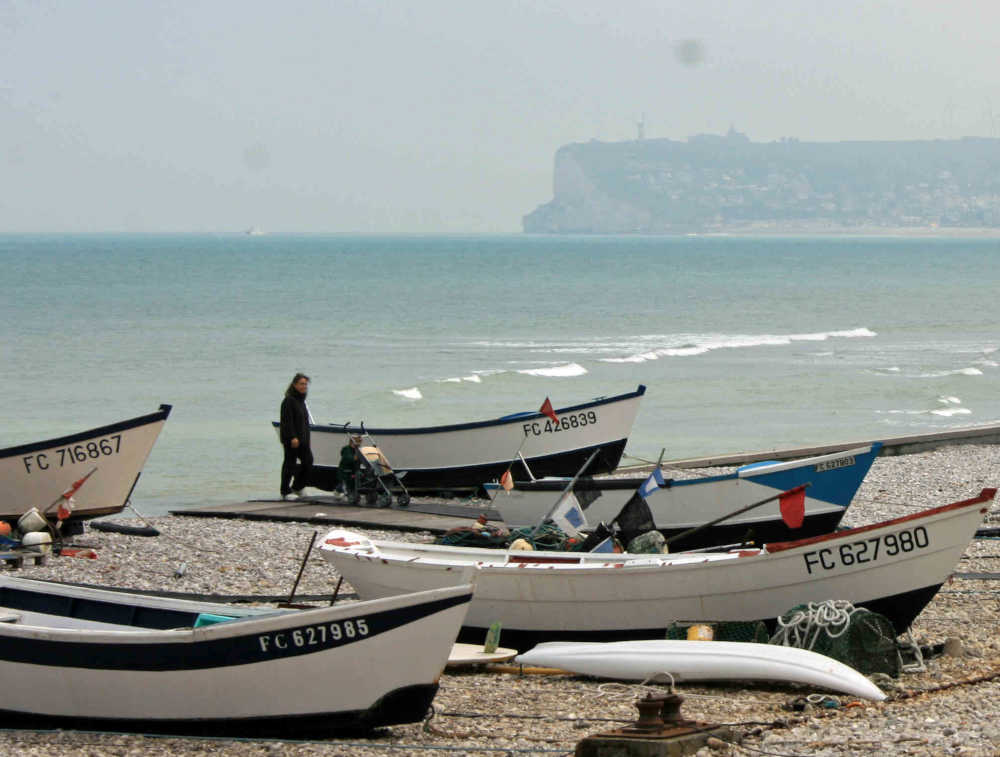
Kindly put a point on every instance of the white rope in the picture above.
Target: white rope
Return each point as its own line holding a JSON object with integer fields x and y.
{"x": 803, "y": 628}
{"x": 625, "y": 691}
{"x": 907, "y": 642}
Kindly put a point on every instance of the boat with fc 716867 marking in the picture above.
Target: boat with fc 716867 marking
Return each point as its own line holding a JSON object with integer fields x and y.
{"x": 35, "y": 474}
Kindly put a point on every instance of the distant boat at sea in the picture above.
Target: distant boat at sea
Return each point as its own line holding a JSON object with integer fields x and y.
{"x": 255, "y": 231}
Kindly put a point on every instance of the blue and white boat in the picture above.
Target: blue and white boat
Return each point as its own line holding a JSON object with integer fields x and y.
{"x": 681, "y": 505}
{"x": 82, "y": 657}
{"x": 464, "y": 455}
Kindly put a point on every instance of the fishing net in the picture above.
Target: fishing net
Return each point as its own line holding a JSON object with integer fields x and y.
{"x": 864, "y": 640}
{"x": 546, "y": 537}
{"x": 492, "y": 537}
{"x": 649, "y": 543}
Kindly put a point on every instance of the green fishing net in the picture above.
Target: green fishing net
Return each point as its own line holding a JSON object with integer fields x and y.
{"x": 859, "y": 638}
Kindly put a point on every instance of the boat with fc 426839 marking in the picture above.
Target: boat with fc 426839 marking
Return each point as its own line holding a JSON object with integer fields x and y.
{"x": 466, "y": 455}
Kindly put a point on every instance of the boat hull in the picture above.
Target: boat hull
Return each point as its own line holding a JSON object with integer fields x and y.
{"x": 702, "y": 661}
{"x": 833, "y": 481}
{"x": 353, "y": 666}
{"x": 34, "y": 475}
{"x": 893, "y": 568}
{"x": 464, "y": 456}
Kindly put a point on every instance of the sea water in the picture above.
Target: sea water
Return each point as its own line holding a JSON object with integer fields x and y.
{"x": 743, "y": 343}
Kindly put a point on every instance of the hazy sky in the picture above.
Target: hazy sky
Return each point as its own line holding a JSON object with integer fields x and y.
{"x": 437, "y": 115}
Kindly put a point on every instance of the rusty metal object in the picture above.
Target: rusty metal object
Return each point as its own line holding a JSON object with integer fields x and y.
{"x": 660, "y": 718}
{"x": 660, "y": 731}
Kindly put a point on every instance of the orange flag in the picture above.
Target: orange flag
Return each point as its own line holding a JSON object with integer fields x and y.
{"x": 507, "y": 481}
{"x": 793, "y": 506}
{"x": 546, "y": 409}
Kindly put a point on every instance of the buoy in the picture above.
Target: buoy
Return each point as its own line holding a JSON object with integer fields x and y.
{"x": 40, "y": 539}
{"x": 31, "y": 521}
{"x": 700, "y": 632}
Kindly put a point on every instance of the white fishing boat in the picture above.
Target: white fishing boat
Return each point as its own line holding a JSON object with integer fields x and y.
{"x": 35, "y": 474}
{"x": 464, "y": 455}
{"x": 894, "y": 568}
{"x": 681, "y": 505}
{"x": 662, "y": 659}
{"x": 93, "y": 658}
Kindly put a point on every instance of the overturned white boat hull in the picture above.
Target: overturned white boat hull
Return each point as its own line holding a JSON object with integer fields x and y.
{"x": 702, "y": 661}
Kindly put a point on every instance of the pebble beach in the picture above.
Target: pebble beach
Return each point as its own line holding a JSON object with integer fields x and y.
{"x": 952, "y": 707}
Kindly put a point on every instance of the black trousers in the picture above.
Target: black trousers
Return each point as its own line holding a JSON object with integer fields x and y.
{"x": 291, "y": 466}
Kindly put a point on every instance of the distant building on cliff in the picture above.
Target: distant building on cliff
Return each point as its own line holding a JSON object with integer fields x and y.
{"x": 723, "y": 183}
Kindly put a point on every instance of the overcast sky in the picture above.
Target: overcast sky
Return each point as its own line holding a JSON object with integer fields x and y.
{"x": 438, "y": 115}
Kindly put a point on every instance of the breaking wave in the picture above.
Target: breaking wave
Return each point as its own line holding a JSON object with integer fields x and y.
{"x": 570, "y": 369}
{"x": 957, "y": 372}
{"x": 413, "y": 393}
{"x": 949, "y": 411}
{"x": 689, "y": 345}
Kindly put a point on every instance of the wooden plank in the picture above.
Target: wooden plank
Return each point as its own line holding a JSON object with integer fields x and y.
{"x": 324, "y": 510}
{"x": 438, "y": 517}
{"x": 899, "y": 445}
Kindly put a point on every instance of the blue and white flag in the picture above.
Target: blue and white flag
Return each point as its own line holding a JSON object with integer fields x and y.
{"x": 651, "y": 484}
{"x": 568, "y": 515}
{"x": 608, "y": 545}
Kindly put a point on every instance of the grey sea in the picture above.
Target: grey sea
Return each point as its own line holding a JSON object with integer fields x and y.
{"x": 743, "y": 343}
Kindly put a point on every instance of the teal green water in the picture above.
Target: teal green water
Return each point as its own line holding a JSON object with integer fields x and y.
{"x": 743, "y": 343}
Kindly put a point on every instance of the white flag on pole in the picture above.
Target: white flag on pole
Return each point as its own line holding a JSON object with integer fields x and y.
{"x": 568, "y": 515}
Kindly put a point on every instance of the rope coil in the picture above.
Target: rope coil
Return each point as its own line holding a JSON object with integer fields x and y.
{"x": 803, "y": 627}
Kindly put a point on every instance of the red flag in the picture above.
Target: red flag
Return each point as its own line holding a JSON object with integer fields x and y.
{"x": 65, "y": 509}
{"x": 507, "y": 481}
{"x": 546, "y": 409}
{"x": 76, "y": 485}
{"x": 793, "y": 506}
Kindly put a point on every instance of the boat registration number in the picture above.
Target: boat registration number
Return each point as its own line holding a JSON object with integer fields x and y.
{"x": 840, "y": 462}
{"x": 328, "y": 634}
{"x": 565, "y": 423}
{"x": 866, "y": 550}
{"x": 76, "y": 453}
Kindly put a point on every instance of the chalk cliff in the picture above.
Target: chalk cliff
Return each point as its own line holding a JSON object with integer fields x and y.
{"x": 718, "y": 183}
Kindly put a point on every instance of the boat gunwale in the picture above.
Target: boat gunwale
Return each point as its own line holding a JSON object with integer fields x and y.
{"x": 143, "y": 420}
{"x": 235, "y": 628}
{"x": 678, "y": 561}
{"x": 986, "y": 495}
{"x": 558, "y": 483}
{"x": 503, "y": 421}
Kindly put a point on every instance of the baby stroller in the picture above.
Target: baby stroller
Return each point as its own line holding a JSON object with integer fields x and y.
{"x": 365, "y": 472}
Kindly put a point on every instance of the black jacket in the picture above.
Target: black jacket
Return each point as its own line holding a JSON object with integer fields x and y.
{"x": 294, "y": 419}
